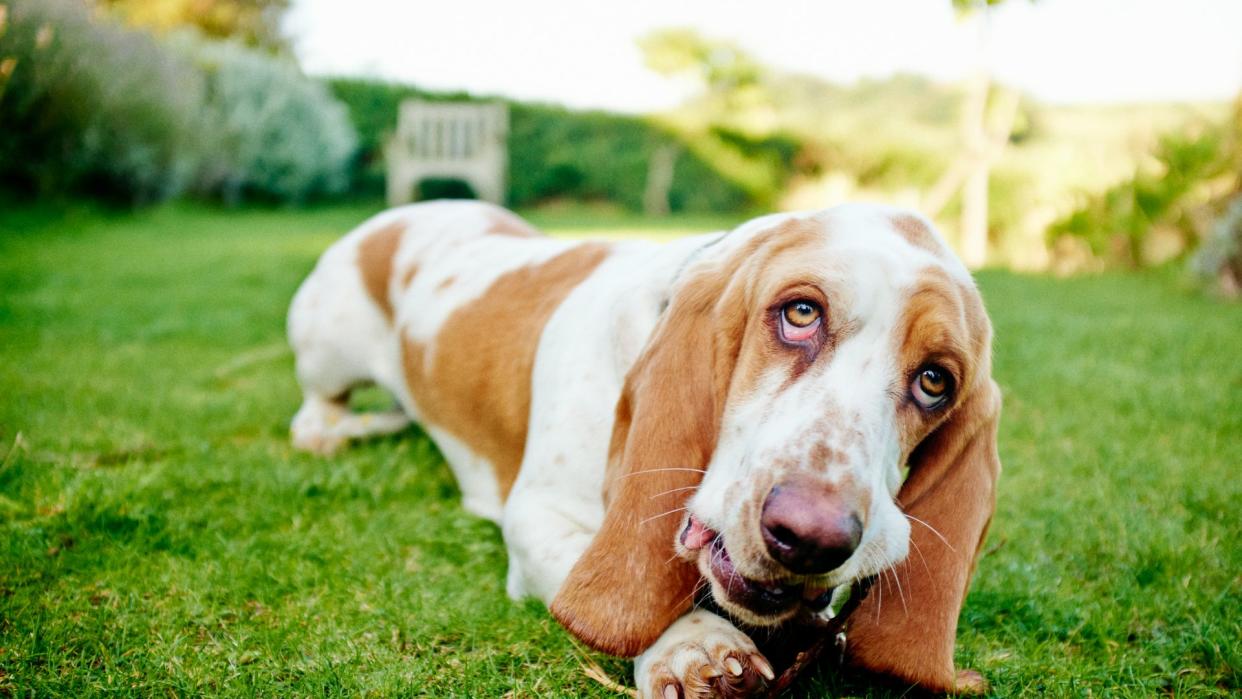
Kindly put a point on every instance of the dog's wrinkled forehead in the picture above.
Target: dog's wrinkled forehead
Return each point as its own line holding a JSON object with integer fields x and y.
{"x": 854, "y": 250}
{"x": 905, "y": 237}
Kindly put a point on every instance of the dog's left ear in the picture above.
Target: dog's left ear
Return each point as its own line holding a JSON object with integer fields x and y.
{"x": 630, "y": 585}
{"x": 950, "y": 495}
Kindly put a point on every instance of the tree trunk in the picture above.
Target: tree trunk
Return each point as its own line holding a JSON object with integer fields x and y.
{"x": 660, "y": 179}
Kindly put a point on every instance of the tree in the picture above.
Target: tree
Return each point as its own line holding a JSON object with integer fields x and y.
{"x": 255, "y": 22}
{"x": 732, "y": 81}
{"x": 988, "y": 117}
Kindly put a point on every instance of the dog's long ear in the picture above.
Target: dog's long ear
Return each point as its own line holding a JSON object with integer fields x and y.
{"x": 950, "y": 495}
{"x": 630, "y": 586}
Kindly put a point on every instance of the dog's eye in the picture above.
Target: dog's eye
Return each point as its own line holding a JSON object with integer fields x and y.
{"x": 800, "y": 314}
{"x": 931, "y": 386}
{"x": 800, "y": 319}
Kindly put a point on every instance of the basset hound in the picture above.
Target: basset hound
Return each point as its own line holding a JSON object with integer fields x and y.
{"x": 756, "y": 417}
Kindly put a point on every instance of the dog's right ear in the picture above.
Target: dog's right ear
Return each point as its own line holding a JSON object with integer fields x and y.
{"x": 949, "y": 496}
{"x": 629, "y": 585}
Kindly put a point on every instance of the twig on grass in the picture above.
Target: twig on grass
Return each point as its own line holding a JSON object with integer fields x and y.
{"x": 591, "y": 669}
{"x": 245, "y": 360}
{"x": 19, "y": 442}
{"x": 995, "y": 547}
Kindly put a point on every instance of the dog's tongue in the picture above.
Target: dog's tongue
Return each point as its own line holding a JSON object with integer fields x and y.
{"x": 695, "y": 536}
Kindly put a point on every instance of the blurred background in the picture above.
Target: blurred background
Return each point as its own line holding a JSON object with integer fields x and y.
{"x": 1053, "y": 135}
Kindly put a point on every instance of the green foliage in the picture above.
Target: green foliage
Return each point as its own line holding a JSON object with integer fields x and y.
{"x": 1116, "y": 222}
{"x": 1218, "y": 262}
{"x": 724, "y": 67}
{"x": 372, "y": 106}
{"x": 444, "y": 188}
{"x": 889, "y": 134}
{"x": 965, "y": 6}
{"x": 554, "y": 153}
{"x": 267, "y": 130}
{"x": 92, "y": 106}
{"x": 159, "y": 537}
{"x": 255, "y": 22}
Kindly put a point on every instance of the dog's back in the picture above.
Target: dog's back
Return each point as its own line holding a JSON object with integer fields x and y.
{"x": 441, "y": 304}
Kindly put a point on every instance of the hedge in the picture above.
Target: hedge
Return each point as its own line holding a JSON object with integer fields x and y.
{"x": 554, "y": 153}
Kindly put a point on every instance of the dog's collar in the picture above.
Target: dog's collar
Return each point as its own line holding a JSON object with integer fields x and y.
{"x": 808, "y": 636}
{"x": 823, "y": 631}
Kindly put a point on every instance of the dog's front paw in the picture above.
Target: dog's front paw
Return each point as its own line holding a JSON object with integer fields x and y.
{"x": 701, "y": 655}
{"x": 970, "y": 683}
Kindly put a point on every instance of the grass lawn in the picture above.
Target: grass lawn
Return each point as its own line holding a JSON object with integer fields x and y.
{"x": 158, "y": 536}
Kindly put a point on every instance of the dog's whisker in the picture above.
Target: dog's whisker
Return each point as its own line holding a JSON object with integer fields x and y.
{"x": 674, "y": 490}
{"x": 879, "y": 603}
{"x": 932, "y": 530}
{"x": 896, "y": 576}
{"x": 919, "y": 550}
{"x": 662, "y": 514}
{"x": 891, "y": 573}
{"x": 694, "y": 593}
{"x": 662, "y": 470}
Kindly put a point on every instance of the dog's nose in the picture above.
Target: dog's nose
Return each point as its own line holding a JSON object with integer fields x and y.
{"x": 808, "y": 528}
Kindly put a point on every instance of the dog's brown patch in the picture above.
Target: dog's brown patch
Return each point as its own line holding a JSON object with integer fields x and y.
{"x": 505, "y": 223}
{"x": 375, "y": 257}
{"x": 407, "y": 277}
{"x": 917, "y": 233}
{"x": 475, "y": 381}
{"x": 769, "y": 263}
{"x": 943, "y": 323}
{"x": 949, "y": 497}
{"x": 949, "y": 494}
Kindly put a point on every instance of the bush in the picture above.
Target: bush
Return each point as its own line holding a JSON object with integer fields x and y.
{"x": 1218, "y": 263}
{"x": 93, "y": 106}
{"x": 557, "y": 153}
{"x": 554, "y": 152}
{"x": 1115, "y": 223}
{"x": 268, "y": 129}
{"x": 444, "y": 188}
{"x": 372, "y": 108}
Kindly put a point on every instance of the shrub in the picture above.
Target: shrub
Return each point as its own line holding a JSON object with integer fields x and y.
{"x": 1116, "y": 222}
{"x": 372, "y": 108}
{"x": 553, "y": 152}
{"x": 444, "y": 188}
{"x": 90, "y": 105}
{"x": 1218, "y": 263}
{"x": 269, "y": 130}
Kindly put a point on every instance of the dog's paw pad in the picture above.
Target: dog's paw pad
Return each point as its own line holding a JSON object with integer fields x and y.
{"x": 317, "y": 443}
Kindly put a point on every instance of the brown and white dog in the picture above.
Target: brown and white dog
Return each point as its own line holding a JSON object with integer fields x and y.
{"x": 768, "y": 410}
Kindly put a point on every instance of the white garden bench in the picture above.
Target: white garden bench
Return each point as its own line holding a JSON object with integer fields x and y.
{"x": 463, "y": 140}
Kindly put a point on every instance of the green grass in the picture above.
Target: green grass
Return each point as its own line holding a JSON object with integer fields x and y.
{"x": 158, "y": 537}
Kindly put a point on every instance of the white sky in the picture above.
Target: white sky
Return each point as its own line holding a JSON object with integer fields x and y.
{"x": 583, "y": 52}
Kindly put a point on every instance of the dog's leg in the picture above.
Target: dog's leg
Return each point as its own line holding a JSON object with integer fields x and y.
{"x": 545, "y": 533}
{"x": 323, "y": 425}
{"x": 312, "y": 425}
{"x": 701, "y": 655}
